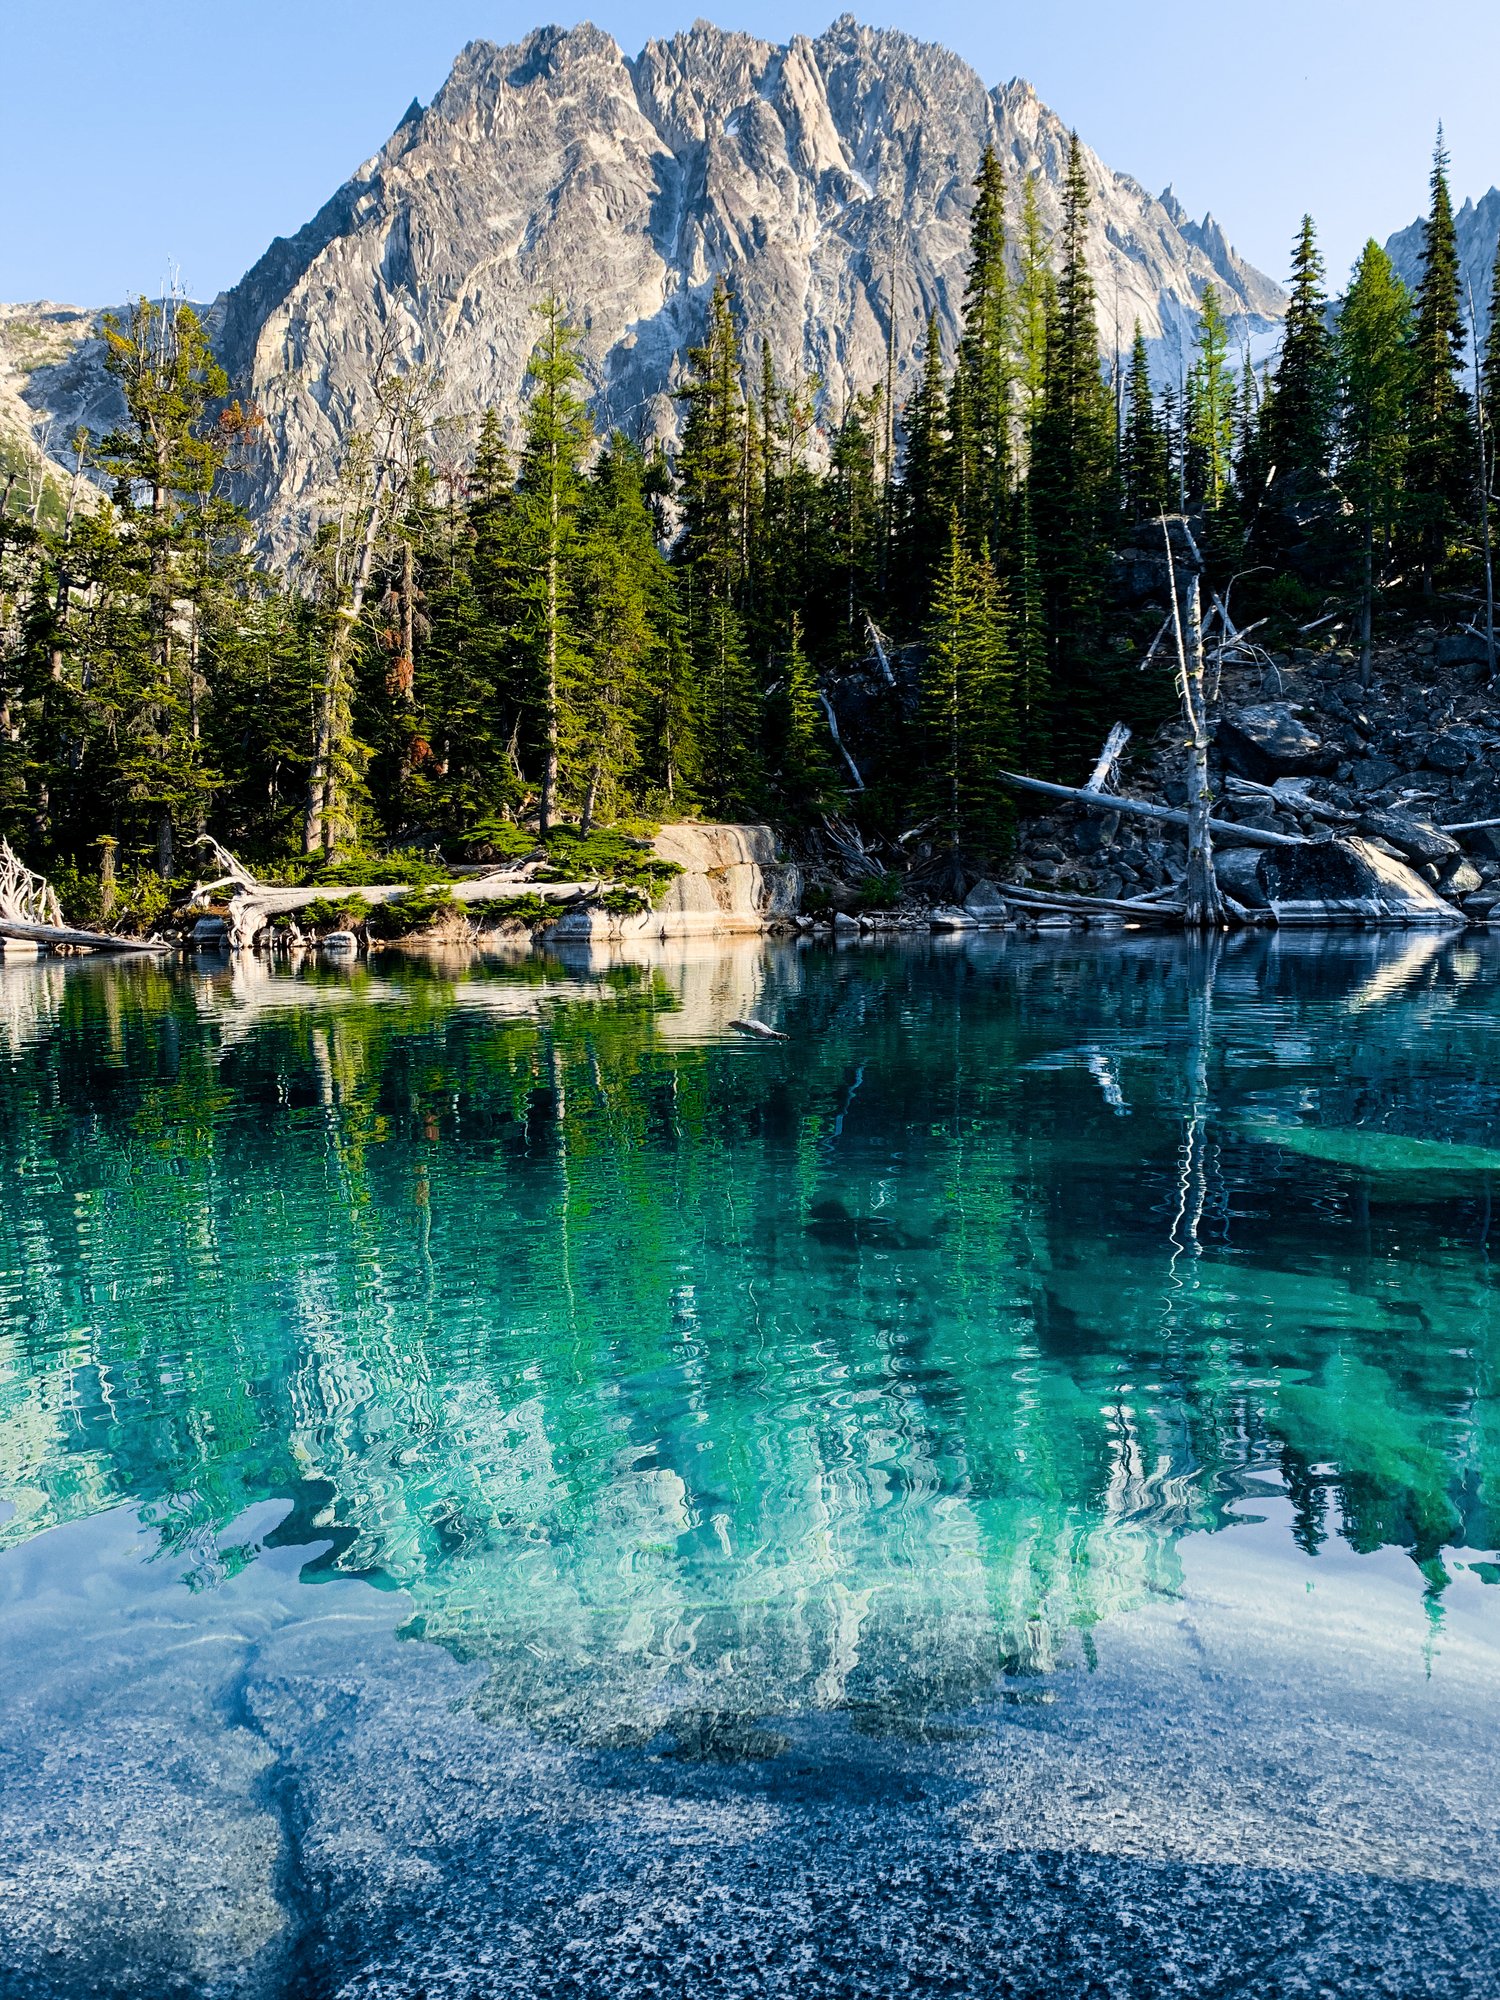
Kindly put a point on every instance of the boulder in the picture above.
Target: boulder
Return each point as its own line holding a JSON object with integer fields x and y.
{"x": 1272, "y": 687}
{"x": 1481, "y": 906}
{"x": 948, "y": 917}
{"x": 1461, "y": 649}
{"x": 1460, "y": 878}
{"x": 210, "y": 934}
{"x": 844, "y": 925}
{"x": 1238, "y": 873}
{"x": 1417, "y": 839}
{"x": 1345, "y": 881}
{"x": 1268, "y": 740}
{"x": 1450, "y": 753}
{"x": 985, "y": 901}
{"x": 1372, "y": 774}
{"x": 1483, "y": 841}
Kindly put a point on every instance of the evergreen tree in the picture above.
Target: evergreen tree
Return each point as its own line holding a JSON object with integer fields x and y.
{"x": 1145, "y": 471}
{"x": 1440, "y": 465}
{"x": 1209, "y": 417}
{"x": 853, "y": 510}
{"x": 926, "y": 487}
{"x": 1073, "y": 471}
{"x": 711, "y": 463}
{"x": 727, "y": 767}
{"x": 1489, "y": 368}
{"x": 982, "y": 443}
{"x": 966, "y": 704}
{"x": 807, "y": 783}
{"x": 1035, "y": 293}
{"x": 622, "y": 683}
{"x": 1374, "y": 363}
{"x": 167, "y": 462}
{"x": 1299, "y": 415}
{"x": 557, "y": 434}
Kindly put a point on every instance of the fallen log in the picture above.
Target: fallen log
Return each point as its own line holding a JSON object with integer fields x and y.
{"x": 1112, "y": 906}
{"x": 65, "y": 934}
{"x": 1114, "y": 748}
{"x": 1247, "y": 836}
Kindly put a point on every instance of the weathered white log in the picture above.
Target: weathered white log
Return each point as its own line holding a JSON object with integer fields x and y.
{"x": 1114, "y": 748}
{"x": 833, "y": 731}
{"x": 1044, "y": 899}
{"x": 65, "y": 934}
{"x": 1247, "y": 836}
{"x": 25, "y": 896}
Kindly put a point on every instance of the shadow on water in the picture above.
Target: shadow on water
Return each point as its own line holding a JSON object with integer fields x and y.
{"x": 682, "y": 1379}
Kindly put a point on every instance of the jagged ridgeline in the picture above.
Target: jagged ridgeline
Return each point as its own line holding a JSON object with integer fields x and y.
{"x": 745, "y": 430}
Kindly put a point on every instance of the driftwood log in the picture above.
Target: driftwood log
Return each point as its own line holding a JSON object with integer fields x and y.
{"x": 1244, "y": 836}
{"x": 65, "y": 934}
{"x": 30, "y": 912}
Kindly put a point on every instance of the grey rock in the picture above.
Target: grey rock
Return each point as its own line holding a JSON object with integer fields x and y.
{"x": 985, "y": 900}
{"x": 1237, "y": 870}
{"x": 1449, "y": 753}
{"x": 1417, "y": 839}
{"x": 1272, "y": 686}
{"x": 845, "y": 925}
{"x": 626, "y": 186}
{"x": 1371, "y": 774}
{"x": 1481, "y": 904}
{"x": 1269, "y": 740}
{"x": 1460, "y": 878}
{"x": 1343, "y": 881}
{"x": 1460, "y": 649}
{"x": 1483, "y": 841}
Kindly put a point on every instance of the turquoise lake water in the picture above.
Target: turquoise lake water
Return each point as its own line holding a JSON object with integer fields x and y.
{"x": 682, "y": 1387}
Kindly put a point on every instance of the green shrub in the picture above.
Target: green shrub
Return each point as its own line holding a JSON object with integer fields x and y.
{"x": 334, "y": 913}
{"x": 370, "y": 871}
{"x": 500, "y": 840}
{"x": 418, "y": 910}
{"x": 531, "y": 910}
{"x": 142, "y": 898}
{"x": 880, "y": 892}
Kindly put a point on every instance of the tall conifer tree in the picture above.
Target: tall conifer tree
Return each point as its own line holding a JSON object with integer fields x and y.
{"x": 1145, "y": 469}
{"x": 1299, "y": 414}
{"x": 1374, "y": 363}
{"x": 1073, "y": 471}
{"x": 1440, "y": 467}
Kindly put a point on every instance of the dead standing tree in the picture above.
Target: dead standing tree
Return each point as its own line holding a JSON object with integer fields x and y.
{"x": 1202, "y": 900}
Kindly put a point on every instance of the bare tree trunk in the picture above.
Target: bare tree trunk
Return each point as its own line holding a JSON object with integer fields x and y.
{"x": 107, "y": 847}
{"x": 590, "y": 799}
{"x": 1202, "y": 902}
{"x": 322, "y": 782}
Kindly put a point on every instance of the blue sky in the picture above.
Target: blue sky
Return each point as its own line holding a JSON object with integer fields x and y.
{"x": 135, "y": 132}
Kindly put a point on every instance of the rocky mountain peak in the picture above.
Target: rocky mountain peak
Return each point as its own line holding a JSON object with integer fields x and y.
{"x": 829, "y": 179}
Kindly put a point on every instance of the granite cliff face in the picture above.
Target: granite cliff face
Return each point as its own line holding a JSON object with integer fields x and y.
{"x": 829, "y": 180}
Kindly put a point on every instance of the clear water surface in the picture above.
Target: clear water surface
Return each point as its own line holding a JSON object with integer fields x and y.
{"x": 680, "y": 1384}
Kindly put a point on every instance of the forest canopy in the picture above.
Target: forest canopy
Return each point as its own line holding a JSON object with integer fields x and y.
{"x": 514, "y": 619}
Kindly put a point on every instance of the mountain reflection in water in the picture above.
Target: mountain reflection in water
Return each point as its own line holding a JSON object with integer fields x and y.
{"x": 673, "y": 1374}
